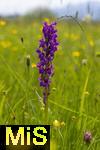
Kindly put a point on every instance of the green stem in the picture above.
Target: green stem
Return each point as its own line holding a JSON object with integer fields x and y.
{"x": 45, "y": 100}
{"x": 27, "y": 73}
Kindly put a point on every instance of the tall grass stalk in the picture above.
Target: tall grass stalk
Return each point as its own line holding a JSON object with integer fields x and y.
{"x": 81, "y": 110}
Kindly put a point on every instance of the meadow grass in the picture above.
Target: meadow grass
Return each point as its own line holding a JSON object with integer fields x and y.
{"x": 74, "y": 101}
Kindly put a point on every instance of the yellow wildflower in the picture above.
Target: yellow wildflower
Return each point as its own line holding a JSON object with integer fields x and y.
{"x": 5, "y": 44}
{"x": 14, "y": 31}
{"x": 76, "y": 53}
{"x": 2, "y": 22}
{"x": 91, "y": 43}
{"x": 33, "y": 65}
{"x": 56, "y": 123}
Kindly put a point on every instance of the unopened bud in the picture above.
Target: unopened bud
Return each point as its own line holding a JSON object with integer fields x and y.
{"x": 22, "y": 40}
{"x": 87, "y": 137}
{"x": 28, "y": 60}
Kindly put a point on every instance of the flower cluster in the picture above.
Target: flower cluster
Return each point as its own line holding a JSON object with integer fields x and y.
{"x": 47, "y": 47}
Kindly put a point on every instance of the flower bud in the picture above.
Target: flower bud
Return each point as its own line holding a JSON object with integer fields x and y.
{"x": 28, "y": 60}
{"x": 87, "y": 137}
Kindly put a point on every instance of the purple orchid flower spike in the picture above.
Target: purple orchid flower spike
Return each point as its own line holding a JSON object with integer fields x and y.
{"x": 47, "y": 47}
